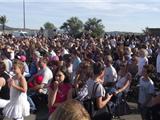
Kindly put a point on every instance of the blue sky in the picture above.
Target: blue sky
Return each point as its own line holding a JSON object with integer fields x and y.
{"x": 116, "y": 15}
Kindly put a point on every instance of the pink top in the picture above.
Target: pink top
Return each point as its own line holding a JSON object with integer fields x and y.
{"x": 61, "y": 95}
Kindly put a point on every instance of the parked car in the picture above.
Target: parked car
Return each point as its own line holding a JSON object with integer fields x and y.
{"x": 21, "y": 34}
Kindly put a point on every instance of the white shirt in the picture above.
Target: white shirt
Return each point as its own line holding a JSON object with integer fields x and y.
{"x": 52, "y": 53}
{"x": 146, "y": 88}
{"x": 158, "y": 63}
{"x": 113, "y": 42}
{"x": 141, "y": 62}
{"x": 47, "y": 77}
{"x": 12, "y": 54}
{"x": 110, "y": 74}
{"x": 8, "y": 64}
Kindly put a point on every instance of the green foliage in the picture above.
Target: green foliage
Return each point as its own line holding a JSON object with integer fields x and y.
{"x": 73, "y": 26}
{"x": 95, "y": 27}
{"x": 49, "y": 26}
{"x": 3, "y": 20}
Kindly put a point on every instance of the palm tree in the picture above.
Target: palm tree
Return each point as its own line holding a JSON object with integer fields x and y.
{"x": 3, "y": 20}
{"x": 73, "y": 26}
{"x": 49, "y": 26}
{"x": 95, "y": 27}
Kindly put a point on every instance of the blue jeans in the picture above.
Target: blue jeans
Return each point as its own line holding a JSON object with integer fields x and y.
{"x": 32, "y": 105}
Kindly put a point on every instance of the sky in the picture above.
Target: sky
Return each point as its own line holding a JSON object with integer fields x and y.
{"x": 116, "y": 15}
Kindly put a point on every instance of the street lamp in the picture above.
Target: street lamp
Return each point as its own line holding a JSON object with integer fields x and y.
{"x": 24, "y": 16}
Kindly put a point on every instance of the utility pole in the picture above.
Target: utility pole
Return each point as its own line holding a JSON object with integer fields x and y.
{"x": 24, "y": 16}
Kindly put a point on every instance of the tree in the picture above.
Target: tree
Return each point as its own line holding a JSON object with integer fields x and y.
{"x": 73, "y": 26}
{"x": 95, "y": 27}
{"x": 49, "y": 26}
{"x": 3, "y": 20}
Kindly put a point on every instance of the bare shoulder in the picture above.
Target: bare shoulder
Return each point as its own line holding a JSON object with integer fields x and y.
{"x": 22, "y": 78}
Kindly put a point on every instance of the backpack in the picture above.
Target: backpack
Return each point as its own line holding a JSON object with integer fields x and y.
{"x": 82, "y": 94}
{"x": 91, "y": 106}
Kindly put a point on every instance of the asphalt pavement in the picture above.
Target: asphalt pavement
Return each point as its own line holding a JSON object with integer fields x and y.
{"x": 42, "y": 114}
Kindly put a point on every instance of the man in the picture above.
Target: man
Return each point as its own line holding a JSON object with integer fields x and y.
{"x": 47, "y": 75}
{"x": 7, "y": 62}
{"x": 38, "y": 92}
{"x": 33, "y": 69}
{"x": 110, "y": 75}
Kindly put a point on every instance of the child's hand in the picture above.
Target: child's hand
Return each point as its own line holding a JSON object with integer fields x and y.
{"x": 56, "y": 84}
{"x": 40, "y": 90}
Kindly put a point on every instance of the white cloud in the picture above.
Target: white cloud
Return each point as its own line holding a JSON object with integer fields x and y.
{"x": 120, "y": 7}
{"x": 111, "y": 7}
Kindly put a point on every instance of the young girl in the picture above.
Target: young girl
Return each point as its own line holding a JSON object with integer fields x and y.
{"x": 18, "y": 107}
{"x": 60, "y": 89}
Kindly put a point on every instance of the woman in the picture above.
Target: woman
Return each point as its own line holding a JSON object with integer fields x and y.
{"x": 84, "y": 73}
{"x": 101, "y": 98}
{"x": 60, "y": 89}
{"x": 124, "y": 79}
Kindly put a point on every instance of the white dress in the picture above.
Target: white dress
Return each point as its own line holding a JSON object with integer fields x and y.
{"x": 18, "y": 106}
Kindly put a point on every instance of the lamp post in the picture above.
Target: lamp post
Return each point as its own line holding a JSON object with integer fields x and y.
{"x": 24, "y": 16}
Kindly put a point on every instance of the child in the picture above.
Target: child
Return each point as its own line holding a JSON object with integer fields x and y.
{"x": 146, "y": 91}
{"x": 60, "y": 89}
{"x": 18, "y": 107}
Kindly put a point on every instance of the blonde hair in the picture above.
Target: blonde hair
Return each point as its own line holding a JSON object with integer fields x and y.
{"x": 20, "y": 65}
{"x": 143, "y": 52}
{"x": 70, "y": 110}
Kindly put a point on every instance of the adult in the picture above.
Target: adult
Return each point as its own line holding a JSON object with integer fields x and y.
{"x": 110, "y": 75}
{"x": 100, "y": 95}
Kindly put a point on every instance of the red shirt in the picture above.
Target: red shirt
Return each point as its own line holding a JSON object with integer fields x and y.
{"x": 62, "y": 94}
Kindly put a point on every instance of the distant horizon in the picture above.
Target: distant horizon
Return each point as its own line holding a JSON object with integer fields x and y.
{"x": 59, "y": 29}
{"x": 116, "y": 15}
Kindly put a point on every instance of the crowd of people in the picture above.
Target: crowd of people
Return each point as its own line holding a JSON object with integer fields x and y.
{"x": 51, "y": 71}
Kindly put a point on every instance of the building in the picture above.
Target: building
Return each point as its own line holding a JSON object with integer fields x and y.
{"x": 154, "y": 31}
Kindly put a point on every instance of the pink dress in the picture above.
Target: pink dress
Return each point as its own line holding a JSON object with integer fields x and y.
{"x": 61, "y": 95}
